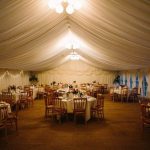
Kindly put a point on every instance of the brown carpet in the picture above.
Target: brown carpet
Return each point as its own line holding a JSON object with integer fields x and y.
{"x": 121, "y": 130}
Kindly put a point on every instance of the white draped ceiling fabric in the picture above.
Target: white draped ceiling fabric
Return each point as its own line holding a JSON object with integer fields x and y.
{"x": 113, "y": 34}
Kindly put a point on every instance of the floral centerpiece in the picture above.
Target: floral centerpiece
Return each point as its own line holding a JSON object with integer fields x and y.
{"x": 70, "y": 86}
{"x": 75, "y": 91}
{"x": 33, "y": 79}
{"x": 12, "y": 88}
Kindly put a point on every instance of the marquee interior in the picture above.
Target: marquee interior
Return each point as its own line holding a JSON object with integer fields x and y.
{"x": 113, "y": 35}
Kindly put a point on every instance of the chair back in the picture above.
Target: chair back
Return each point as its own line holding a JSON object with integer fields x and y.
{"x": 124, "y": 91}
{"x": 145, "y": 115}
{"x": 30, "y": 93}
{"x": 58, "y": 103}
{"x": 23, "y": 100}
{"x": 7, "y": 97}
{"x": 23, "y": 96}
{"x": 3, "y": 113}
{"x": 80, "y": 104}
{"x": 134, "y": 91}
{"x": 26, "y": 88}
{"x": 145, "y": 111}
{"x": 3, "y": 117}
{"x": 100, "y": 100}
{"x": 49, "y": 99}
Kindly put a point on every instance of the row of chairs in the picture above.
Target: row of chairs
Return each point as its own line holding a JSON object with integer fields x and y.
{"x": 11, "y": 119}
{"x": 25, "y": 98}
{"x": 125, "y": 95}
{"x": 55, "y": 107}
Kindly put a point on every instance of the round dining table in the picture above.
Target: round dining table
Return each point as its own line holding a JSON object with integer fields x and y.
{"x": 70, "y": 105}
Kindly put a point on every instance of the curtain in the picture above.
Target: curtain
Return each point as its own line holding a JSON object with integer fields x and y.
{"x": 76, "y": 71}
{"x": 13, "y": 77}
{"x": 137, "y": 80}
{"x": 131, "y": 82}
{"x": 141, "y": 80}
{"x": 144, "y": 85}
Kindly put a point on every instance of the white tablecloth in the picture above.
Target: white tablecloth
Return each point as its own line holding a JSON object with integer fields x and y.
{"x": 70, "y": 106}
{"x": 7, "y": 104}
{"x": 35, "y": 91}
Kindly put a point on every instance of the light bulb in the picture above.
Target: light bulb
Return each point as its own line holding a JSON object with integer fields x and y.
{"x": 69, "y": 6}
{"x": 69, "y": 9}
{"x": 51, "y": 4}
{"x": 70, "y": 1}
{"x": 59, "y": 9}
{"x": 77, "y": 5}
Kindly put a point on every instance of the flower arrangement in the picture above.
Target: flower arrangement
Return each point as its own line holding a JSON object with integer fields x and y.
{"x": 12, "y": 87}
{"x": 70, "y": 86}
{"x": 54, "y": 82}
{"x": 33, "y": 78}
{"x": 75, "y": 91}
{"x": 117, "y": 80}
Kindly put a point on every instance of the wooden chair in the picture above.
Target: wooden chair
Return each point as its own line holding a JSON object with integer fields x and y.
{"x": 144, "y": 100}
{"x": 13, "y": 116}
{"x": 26, "y": 88}
{"x": 30, "y": 97}
{"x": 101, "y": 89}
{"x": 133, "y": 96}
{"x": 8, "y": 98}
{"x": 48, "y": 98}
{"x": 40, "y": 93}
{"x": 3, "y": 118}
{"x": 93, "y": 93}
{"x": 60, "y": 108}
{"x": 23, "y": 100}
{"x": 145, "y": 115}
{"x": 105, "y": 88}
{"x": 98, "y": 109}
{"x": 80, "y": 108}
{"x": 124, "y": 94}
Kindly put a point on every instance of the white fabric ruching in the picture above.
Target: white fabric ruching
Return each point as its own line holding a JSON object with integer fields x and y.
{"x": 114, "y": 34}
{"x": 76, "y": 71}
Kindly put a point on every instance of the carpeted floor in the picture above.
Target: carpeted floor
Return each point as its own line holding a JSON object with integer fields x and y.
{"x": 121, "y": 130}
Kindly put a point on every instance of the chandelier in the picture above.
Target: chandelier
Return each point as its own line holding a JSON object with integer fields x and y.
{"x": 68, "y": 5}
{"x": 74, "y": 56}
{"x": 73, "y": 45}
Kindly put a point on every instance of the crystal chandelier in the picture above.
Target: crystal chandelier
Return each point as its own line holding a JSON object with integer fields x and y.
{"x": 68, "y": 5}
{"x": 74, "y": 56}
{"x": 73, "y": 45}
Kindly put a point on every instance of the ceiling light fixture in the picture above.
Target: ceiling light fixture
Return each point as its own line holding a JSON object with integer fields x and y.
{"x": 74, "y": 56}
{"x": 72, "y": 45}
{"x": 68, "y": 5}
